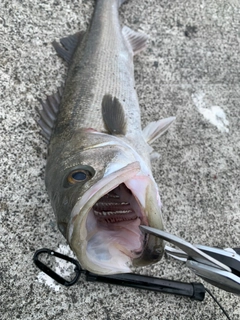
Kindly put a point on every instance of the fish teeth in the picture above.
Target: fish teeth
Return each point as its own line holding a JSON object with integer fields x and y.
{"x": 108, "y": 204}
{"x": 114, "y": 206}
{"x": 111, "y": 195}
{"x": 111, "y": 213}
{"x": 119, "y": 219}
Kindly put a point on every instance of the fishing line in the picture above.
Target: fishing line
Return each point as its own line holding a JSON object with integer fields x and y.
{"x": 218, "y": 303}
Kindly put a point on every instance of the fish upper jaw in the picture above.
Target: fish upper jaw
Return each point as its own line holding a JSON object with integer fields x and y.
{"x": 104, "y": 226}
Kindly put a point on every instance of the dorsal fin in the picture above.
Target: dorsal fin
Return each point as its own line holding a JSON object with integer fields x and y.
{"x": 113, "y": 115}
{"x": 136, "y": 40}
{"x": 155, "y": 129}
{"x": 49, "y": 113}
{"x": 66, "y": 48}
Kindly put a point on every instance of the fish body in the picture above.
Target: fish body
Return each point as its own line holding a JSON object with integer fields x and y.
{"x": 98, "y": 172}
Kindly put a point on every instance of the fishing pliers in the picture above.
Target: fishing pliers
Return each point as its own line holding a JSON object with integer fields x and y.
{"x": 220, "y": 267}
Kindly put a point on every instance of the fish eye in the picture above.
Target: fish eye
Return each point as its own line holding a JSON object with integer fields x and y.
{"x": 78, "y": 176}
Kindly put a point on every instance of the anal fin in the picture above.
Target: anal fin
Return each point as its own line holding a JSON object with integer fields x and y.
{"x": 48, "y": 113}
{"x": 67, "y": 46}
{"x": 113, "y": 115}
{"x": 136, "y": 40}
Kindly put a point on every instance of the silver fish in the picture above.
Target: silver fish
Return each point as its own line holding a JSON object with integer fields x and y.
{"x": 98, "y": 172}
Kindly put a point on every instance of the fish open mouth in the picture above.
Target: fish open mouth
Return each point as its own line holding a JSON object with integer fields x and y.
{"x": 104, "y": 231}
{"x": 114, "y": 237}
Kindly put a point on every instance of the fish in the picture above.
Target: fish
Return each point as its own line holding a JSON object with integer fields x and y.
{"x": 98, "y": 172}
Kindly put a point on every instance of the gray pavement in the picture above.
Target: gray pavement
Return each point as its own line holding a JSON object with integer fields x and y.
{"x": 191, "y": 69}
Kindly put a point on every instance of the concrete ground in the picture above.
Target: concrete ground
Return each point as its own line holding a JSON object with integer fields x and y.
{"x": 191, "y": 69}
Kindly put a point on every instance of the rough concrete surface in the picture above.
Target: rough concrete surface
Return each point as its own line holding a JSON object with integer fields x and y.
{"x": 191, "y": 69}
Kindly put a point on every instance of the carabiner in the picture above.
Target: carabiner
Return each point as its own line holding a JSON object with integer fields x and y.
{"x": 78, "y": 270}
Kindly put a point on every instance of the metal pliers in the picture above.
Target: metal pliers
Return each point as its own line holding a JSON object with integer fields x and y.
{"x": 220, "y": 267}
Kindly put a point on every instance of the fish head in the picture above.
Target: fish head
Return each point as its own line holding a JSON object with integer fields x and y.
{"x": 101, "y": 190}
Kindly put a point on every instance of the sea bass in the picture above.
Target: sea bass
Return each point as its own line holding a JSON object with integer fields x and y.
{"x": 98, "y": 172}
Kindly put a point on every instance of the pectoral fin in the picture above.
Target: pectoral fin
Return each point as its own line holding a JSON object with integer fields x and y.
{"x": 136, "y": 40}
{"x": 155, "y": 129}
{"x": 113, "y": 115}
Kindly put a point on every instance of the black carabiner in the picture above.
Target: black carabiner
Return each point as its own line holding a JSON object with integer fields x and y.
{"x": 78, "y": 270}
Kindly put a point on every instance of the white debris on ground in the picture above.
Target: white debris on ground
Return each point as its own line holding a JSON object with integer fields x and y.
{"x": 214, "y": 114}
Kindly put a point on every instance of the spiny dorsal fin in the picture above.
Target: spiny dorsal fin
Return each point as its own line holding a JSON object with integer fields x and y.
{"x": 155, "y": 129}
{"x": 113, "y": 115}
{"x": 136, "y": 40}
{"x": 68, "y": 45}
{"x": 49, "y": 113}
